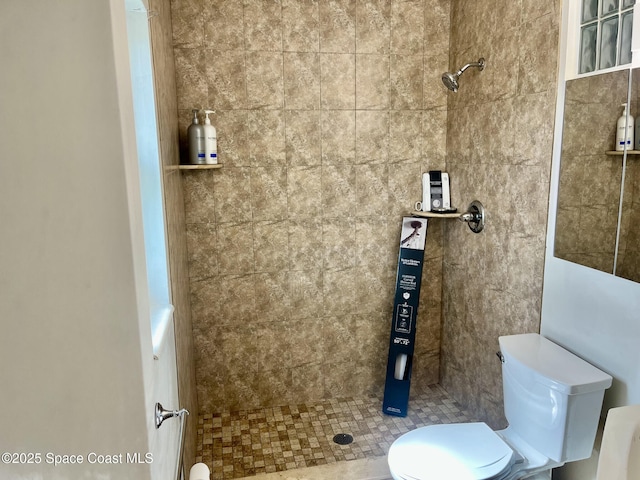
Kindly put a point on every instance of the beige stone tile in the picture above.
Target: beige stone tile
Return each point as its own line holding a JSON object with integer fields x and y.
{"x": 405, "y": 187}
{"x": 337, "y": 334}
{"x": 537, "y": 70}
{"x": 375, "y": 242}
{"x": 437, "y": 25}
{"x": 241, "y": 357}
{"x": 372, "y": 136}
{"x": 373, "y": 26}
{"x": 305, "y": 293}
{"x": 372, "y": 189}
{"x": 225, "y": 75}
{"x": 266, "y": 137}
{"x": 407, "y": 26}
{"x": 199, "y": 199}
{"x": 375, "y": 285}
{"x": 502, "y": 113}
{"x": 533, "y": 145}
{"x": 235, "y": 248}
{"x": 191, "y": 81}
{"x": 304, "y": 191}
{"x": 209, "y": 375}
{"x": 340, "y": 377}
{"x": 338, "y": 78}
{"x": 339, "y": 290}
{"x": 302, "y": 80}
{"x": 339, "y": 243}
{"x": 303, "y": 138}
{"x": 302, "y": 387}
{"x": 202, "y": 248}
{"x": 187, "y": 23}
{"x": 231, "y": 129}
{"x": 372, "y": 82}
{"x": 269, "y": 193}
{"x": 406, "y": 137}
{"x": 338, "y": 190}
{"x": 407, "y": 74}
{"x": 305, "y": 244}
{"x": 338, "y": 137}
{"x": 301, "y": 25}
{"x": 337, "y": 23}
{"x": 265, "y": 88}
{"x": 242, "y": 391}
{"x": 222, "y": 300}
{"x": 270, "y": 246}
{"x": 232, "y": 194}
{"x": 276, "y": 384}
{"x": 498, "y": 80}
{"x": 435, "y": 94}
{"x": 271, "y": 299}
{"x": 263, "y": 25}
{"x": 223, "y": 27}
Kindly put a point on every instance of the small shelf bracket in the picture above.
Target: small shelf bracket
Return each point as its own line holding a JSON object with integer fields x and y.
{"x": 474, "y": 216}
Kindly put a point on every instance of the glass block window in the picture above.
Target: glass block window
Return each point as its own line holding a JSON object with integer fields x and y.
{"x": 605, "y": 34}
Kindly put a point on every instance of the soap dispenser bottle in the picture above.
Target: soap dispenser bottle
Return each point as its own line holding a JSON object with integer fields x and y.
{"x": 195, "y": 133}
{"x": 624, "y": 131}
{"x": 210, "y": 140}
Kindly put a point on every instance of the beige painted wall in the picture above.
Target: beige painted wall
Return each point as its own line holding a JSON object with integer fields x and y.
{"x": 499, "y": 149}
{"x": 327, "y": 114}
{"x": 72, "y": 352}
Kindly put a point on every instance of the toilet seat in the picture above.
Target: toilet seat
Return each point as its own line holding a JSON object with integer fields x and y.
{"x": 464, "y": 451}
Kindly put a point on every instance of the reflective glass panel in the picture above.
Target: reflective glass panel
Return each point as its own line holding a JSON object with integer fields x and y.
{"x": 628, "y": 3}
{"x": 588, "y": 48}
{"x": 609, "y": 6}
{"x": 608, "y": 42}
{"x": 589, "y": 10}
{"x": 625, "y": 38}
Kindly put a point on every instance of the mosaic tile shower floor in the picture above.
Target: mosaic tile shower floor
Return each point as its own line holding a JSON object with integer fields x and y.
{"x": 249, "y": 442}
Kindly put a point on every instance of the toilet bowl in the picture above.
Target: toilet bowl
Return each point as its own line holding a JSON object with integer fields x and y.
{"x": 552, "y": 401}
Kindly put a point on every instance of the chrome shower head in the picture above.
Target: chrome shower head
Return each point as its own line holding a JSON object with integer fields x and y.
{"x": 450, "y": 80}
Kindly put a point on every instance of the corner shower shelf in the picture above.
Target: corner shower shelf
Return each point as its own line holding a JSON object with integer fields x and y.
{"x": 199, "y": 167}
{"x": 474, "y": 216}
{"x": 615, "y": 153}
{"x": 418, "y": 213}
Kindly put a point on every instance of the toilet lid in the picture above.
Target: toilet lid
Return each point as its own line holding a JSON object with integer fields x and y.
{"x": 464, "y": 451}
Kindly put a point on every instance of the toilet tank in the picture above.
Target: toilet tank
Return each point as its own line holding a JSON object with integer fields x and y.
{"x": 552, "y": 398}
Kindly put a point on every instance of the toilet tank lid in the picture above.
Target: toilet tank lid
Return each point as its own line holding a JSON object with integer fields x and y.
{"x": 555, "y": 367}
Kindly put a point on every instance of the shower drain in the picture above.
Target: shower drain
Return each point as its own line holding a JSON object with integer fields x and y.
{"x": 343, "y": 439}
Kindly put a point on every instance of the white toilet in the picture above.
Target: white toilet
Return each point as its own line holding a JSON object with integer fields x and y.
{"x": 552, "y": 401}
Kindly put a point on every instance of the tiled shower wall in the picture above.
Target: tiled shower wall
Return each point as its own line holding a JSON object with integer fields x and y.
{"x": 327, "y": 113}
{"x": 499, "y": 148}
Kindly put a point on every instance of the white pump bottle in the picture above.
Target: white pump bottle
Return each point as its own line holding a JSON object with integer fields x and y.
{"x": 625, "y": 131}
{"x": 210, "y": 140}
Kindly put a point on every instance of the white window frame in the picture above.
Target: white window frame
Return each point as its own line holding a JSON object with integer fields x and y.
{"x": 573, "y": 42}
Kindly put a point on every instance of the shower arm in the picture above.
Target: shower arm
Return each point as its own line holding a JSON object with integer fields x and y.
{"x": 479, "y": 64}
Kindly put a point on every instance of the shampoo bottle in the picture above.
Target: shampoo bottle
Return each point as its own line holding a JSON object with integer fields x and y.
{"x": 195, "y": 132}
{"x": 624, "y": 132}
{"x": 210, "y": 140}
